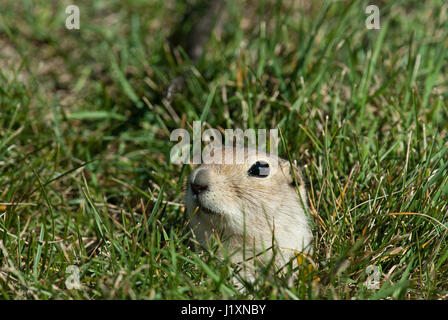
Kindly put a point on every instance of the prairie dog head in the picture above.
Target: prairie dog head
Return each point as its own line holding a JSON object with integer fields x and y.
{"x": 252, "y": 199}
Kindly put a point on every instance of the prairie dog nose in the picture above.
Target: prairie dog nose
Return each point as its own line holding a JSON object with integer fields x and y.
{"x": 200, "y": 181}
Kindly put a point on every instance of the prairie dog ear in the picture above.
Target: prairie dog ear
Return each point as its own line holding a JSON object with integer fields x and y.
{"x": 289, "y": 171}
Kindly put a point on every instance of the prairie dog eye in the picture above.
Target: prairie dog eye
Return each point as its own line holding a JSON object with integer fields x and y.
{"x": 259, "y": 169}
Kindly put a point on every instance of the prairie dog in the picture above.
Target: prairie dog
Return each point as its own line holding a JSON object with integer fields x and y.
{"x": 248, "y": 204}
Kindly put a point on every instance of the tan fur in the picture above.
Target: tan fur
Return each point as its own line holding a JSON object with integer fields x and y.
{"x": 247, "y": 211}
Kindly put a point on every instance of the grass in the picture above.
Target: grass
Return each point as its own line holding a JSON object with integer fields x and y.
{"x": 85, "y": 177}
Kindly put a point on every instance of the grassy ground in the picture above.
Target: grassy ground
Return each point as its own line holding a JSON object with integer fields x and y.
{"x": 85, "y": 177}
